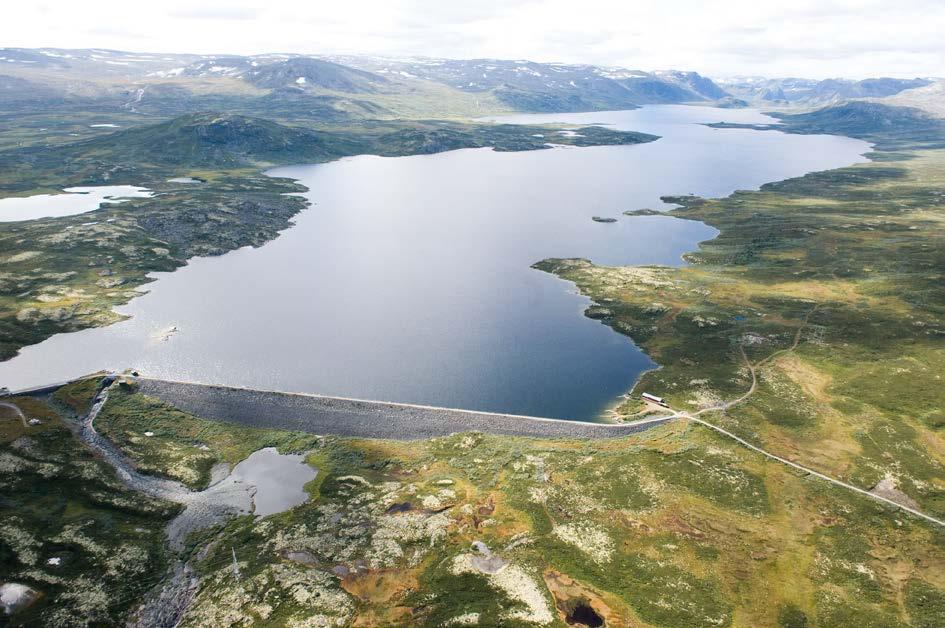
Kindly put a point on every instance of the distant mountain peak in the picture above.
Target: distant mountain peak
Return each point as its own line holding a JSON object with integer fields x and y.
{"x": 307, "y": 72}
{"x": 813, "y": 92}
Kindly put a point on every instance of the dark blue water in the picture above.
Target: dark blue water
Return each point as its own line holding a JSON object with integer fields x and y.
{"x": 409, "y": 279}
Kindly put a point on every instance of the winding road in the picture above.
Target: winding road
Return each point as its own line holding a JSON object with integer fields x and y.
{"x": 371, "y": 419}
{"x": 752, "y": 368}
{"x": 810, "y": 471}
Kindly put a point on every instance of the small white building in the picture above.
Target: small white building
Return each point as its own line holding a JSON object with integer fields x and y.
{"x": 657, "y": 400}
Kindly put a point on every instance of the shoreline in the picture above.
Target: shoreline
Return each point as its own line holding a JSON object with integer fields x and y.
{"x": 242, "y": 206}
{"x": 796, "y": 265}
{"x": 607, "y": 413}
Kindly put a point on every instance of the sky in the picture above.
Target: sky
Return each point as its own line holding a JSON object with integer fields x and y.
{"x": 808, "y": 38}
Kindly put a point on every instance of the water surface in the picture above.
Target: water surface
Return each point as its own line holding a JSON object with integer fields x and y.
{"x": 72, "y": 201}
{"x": 279, "y": 479}
{"x": 409, "y": 278}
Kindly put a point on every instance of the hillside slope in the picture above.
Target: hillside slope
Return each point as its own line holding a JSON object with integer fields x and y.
{"x": 304, "y": 73}
{"x": 357, "y": 86}
{"x": 215, "y": 140}
{"x": 887, "y": 126}
{"x": 929, "y": 98}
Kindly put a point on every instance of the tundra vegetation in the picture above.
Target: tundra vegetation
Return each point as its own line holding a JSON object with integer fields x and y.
{"x": 829, "y": 285}
{"x": 670, "y": 527}
{"x": 86, "y": 546}
{"x": 176, "y": 445}
{"x": 826, "y": 289}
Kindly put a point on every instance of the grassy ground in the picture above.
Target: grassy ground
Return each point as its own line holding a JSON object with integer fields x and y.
{"x": 849, "y": 262}
{"x": 181, "y": 446}
{"x": 69, "y": 529}
{"x": 673, "y": 527}
{"x": 79, "y": 395}
{"x": 676, "y": 526}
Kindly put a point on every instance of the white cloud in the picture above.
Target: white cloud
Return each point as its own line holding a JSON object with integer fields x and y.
{"x": 815, "y": 38}
{"x": 216, "y": 13}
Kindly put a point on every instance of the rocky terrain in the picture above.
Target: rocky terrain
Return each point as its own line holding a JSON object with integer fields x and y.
{"x": 672, "y": 526}
{"x": 800, "y": 352}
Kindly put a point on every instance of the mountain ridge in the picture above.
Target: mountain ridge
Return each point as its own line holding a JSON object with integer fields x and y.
{"x": 514, "y": 84}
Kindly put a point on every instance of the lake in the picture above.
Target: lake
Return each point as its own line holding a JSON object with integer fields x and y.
{"x": 72, "y": 201}
{"x": 409, "y": 278}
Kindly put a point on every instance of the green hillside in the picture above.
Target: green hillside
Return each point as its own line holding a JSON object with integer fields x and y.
{"x": 887, "y": 126}
{"x": 215, "y": 140}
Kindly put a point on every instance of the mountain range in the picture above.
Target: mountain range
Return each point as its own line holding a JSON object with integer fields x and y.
{"x": 809, "y": 92}
{"x": 334, "y": 88}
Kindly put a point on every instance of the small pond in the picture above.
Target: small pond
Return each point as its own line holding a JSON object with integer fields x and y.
{"x": 279, "y": 479}
{"x": 72, "y": 201}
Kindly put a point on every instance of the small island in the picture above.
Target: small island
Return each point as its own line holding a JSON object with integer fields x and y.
{"x": 603, "y": 219}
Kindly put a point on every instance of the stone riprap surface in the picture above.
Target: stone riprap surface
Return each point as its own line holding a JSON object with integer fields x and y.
{"x": 317, "y": 414}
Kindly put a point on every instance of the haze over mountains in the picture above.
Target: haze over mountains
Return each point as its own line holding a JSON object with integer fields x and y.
{"x": 813, "y": 93}
{"x": 362, "y": 86}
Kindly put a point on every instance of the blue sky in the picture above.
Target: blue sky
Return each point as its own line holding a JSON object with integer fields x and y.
{"x": 818, "y": 39}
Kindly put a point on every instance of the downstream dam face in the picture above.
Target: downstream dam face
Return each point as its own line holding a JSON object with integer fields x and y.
{"x": 363, "y": 419}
